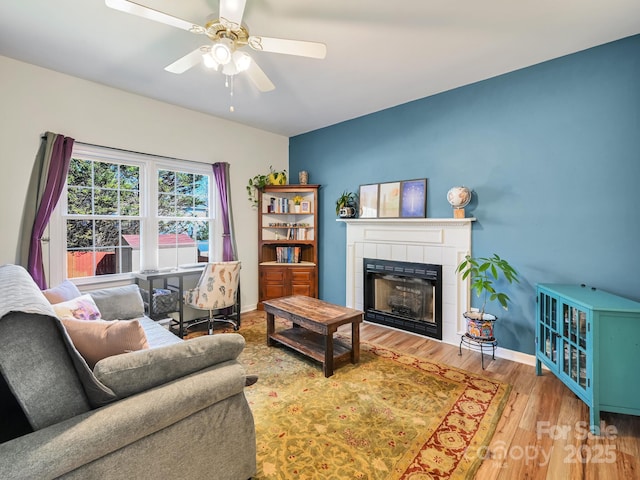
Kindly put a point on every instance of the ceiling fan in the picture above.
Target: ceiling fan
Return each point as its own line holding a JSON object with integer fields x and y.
{"x": 228, "y": 36}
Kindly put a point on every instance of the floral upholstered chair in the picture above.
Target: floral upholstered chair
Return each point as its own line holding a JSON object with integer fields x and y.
{"x": 218, "y": 292}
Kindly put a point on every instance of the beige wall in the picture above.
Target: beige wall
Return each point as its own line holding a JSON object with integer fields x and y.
{"x": 34, "y": 100}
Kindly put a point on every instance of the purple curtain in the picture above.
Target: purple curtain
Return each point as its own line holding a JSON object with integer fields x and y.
{"x": 221, "y": 174}
{"x": 57, "y": 155}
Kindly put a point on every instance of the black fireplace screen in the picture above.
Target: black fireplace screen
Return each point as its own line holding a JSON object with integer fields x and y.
{"x": 408, "y": 297}
{"x": 404, "y": 295}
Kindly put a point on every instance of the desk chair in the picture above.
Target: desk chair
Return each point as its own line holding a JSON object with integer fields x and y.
{"x": 217, "y": 291}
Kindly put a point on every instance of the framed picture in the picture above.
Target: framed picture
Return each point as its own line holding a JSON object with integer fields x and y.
{"x": 305, "y": 206}
{"x": 413, "y": 198}
{"x": 389, "y": 200}
{"x": 368, "y": 201}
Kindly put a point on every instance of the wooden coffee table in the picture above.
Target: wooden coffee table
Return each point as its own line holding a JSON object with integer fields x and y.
{"x": 314, "y": 323}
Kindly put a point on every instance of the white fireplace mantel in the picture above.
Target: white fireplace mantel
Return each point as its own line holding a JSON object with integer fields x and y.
{"x": 441, "y": 241}
{"x": 377, "y": 221}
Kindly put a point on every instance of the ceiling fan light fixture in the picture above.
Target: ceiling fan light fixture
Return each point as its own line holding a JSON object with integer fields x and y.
{"x": 209, "y": 61}
{"x": 222, "y": 50}
{"x": 242, "y": 61}
{"x": 230, "y": 69}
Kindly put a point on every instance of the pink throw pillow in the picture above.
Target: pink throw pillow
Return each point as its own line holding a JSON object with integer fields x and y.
{"x": 66, "y": 291}
{"x": 99, "y": 339}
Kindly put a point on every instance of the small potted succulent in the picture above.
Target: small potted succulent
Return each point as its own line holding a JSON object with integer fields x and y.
{"x": 484, "y": 271}
{"x": 346, "y": 205}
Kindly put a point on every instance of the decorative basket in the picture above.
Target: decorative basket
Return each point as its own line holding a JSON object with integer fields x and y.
{"x": 164, "y": 300}
{"x": 480, "y": 328}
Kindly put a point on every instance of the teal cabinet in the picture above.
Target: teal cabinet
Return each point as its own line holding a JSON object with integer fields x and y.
{"x": 590, "y": 339}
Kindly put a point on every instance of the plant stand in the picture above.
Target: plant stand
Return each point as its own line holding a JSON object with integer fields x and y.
{"x": 479, "y": 344}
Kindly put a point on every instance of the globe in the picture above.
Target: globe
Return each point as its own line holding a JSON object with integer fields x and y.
{"x": 459, "y": 197}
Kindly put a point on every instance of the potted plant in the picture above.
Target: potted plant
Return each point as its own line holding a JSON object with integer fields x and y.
{"x": 277, "y": 178}
{"x": 257, "y": 183}
{"x": 296, "y": 203}
{"x": 346, "y": 205}
{"x": 484, "y": 272}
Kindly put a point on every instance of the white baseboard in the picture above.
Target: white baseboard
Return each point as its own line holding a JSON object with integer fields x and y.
{"x": 512, "y": 355}
{"x": 248, "y": 308}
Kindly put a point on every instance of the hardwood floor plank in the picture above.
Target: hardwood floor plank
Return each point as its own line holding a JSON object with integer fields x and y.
{"x": 544, "y": 405}
{"x": 496, "y": 457}
{"x": 526, "y": 457}
{"x": 566, "y": 439}
{"x": 617, "y": 445}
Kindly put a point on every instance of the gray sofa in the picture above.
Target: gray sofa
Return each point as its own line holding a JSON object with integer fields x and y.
{"x": 176, "y": 410}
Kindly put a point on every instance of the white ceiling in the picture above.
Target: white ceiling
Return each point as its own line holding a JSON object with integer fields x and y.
{"x": 379, "y": 53}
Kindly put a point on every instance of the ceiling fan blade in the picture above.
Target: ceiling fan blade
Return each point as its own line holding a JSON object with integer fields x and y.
{"x": 231, "y": 12}
{"x": 259, "y": 78}
{"x": 151, "y": 14}
{"x": 190, "y": 60}
{"x": 289, "y": 47}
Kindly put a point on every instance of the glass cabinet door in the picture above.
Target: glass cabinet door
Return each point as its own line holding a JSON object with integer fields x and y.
{"x": 574, "y": 345}
{"x": 548, "y": 334}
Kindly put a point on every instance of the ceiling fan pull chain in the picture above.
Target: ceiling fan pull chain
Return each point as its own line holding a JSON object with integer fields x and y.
{"x": 229, "y": 84}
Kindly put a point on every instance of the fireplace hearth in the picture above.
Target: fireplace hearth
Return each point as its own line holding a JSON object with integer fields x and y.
{"x": 404, "y": 295}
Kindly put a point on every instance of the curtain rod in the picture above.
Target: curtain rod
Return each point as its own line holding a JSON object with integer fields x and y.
{"x": 86, "y": 144}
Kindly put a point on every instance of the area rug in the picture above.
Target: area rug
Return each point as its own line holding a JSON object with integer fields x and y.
{"x": 391, "y": 416}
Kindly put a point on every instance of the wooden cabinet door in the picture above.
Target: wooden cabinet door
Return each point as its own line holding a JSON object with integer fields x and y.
{"x": 303, "y": 281}
{"x": 273, "y": 283}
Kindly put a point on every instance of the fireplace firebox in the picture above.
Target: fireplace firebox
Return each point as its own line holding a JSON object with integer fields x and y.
{"x": 404, "y": 295}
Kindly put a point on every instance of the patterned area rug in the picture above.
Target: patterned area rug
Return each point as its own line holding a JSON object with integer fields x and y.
{"x": 391, "y": 416}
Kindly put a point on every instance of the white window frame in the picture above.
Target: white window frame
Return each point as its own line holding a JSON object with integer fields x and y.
{"x": 149, "y": 166}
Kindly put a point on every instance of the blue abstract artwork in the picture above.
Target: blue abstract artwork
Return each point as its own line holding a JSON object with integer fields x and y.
{"x": 414, "y": 198}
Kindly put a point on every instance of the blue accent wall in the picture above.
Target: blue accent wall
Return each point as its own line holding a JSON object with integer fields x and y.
{"x": 552, "y": 153}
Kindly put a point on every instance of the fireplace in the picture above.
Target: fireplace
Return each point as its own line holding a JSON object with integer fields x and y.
{"x": 404, "y": 295}
{"x": 437, "y": 241}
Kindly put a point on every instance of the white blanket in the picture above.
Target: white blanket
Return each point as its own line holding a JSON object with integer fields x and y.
{"x": 19, "y": 293}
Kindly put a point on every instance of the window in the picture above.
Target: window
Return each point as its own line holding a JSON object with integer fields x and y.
{"x": 182, "y": 198}
{"x": 122, "y": 212}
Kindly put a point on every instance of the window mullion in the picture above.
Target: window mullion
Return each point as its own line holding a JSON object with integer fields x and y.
{"x": 149, "y": 228}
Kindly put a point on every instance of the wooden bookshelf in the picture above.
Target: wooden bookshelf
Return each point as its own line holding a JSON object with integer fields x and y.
{"x": 283, "y": 227}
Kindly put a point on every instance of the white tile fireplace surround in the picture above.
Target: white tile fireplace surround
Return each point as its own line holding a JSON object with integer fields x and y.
{"x": 440, "y": 241}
